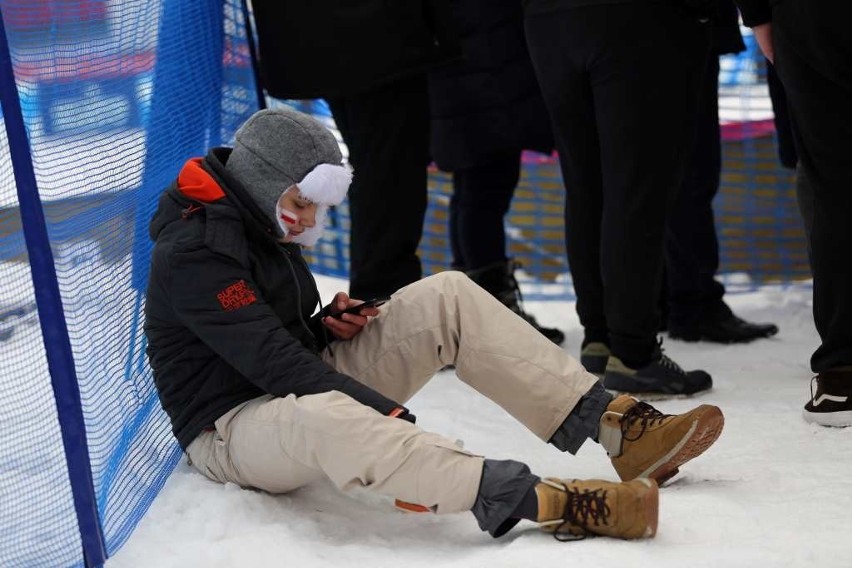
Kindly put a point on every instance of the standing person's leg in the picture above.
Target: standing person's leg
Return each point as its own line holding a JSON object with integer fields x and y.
{"x": 387, "y": 133}
{"x": 481, "y": 198}
{"x": 805, "y": 200}
{"x": 696, "y": 310}
{"x": 781, "y": 118}
{"x": 813, "y": 51}
{"x": 692, "y": 249}
{"x": 645, "y": 117}
{"x": 557, "y": 57}
{"x": 620, "y": 120}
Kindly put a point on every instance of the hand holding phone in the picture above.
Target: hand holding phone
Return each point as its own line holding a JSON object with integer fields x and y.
{"x": 371, "y": 303}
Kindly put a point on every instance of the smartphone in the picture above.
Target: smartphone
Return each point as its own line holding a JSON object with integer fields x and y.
{"x": 371, "y": 303}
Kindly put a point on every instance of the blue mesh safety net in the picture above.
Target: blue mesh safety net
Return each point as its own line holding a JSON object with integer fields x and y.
{"x": 115, "y": 97}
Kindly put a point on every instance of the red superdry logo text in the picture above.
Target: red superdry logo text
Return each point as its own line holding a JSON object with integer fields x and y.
{"x": 236, "y": 296}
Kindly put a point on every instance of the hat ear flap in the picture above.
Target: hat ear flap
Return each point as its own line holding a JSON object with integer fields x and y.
{"x": 326, "y": 184}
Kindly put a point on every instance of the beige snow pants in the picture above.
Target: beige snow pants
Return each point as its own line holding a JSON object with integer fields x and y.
{"x": 279, "y": 444}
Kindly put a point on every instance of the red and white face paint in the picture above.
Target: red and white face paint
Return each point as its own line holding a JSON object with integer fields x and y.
{"x": 286, "y": 218}
{"x": 294, "y": 212}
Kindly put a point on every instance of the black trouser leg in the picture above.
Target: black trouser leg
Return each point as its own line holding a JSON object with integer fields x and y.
{"x": 780, "y": 109}
{"x": 805, "y": 200}
{"x": 481, "y": 198}
{"x": 387, "y": 133}
{"x": 568, "y": 95}
{"x": 692, "y": 249}
{"x": 622, "y": 122}
{"x": 812, "y": 56}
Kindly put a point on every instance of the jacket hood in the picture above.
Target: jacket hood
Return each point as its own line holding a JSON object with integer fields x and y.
{"x": 197, "y": 184}
{"x": 205, "y": 182}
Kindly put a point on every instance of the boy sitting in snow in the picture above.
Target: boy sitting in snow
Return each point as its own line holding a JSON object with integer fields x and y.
{"x": 264, "y": 394}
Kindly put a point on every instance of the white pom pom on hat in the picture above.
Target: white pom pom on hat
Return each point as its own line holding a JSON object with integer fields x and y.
{"x": 326, "y": 184}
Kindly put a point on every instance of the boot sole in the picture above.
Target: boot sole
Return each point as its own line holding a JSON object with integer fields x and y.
{"x": 723, "y": 340}
{"x": 647, "y": 388}
{"x": 841, "y": 419}
{"x": 705, "y": 430}
{"x": 654, "y": 396}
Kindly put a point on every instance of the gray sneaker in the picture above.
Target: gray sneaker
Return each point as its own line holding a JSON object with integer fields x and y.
{"x": 661, "y": 377}
{"x": 594, "y": 357}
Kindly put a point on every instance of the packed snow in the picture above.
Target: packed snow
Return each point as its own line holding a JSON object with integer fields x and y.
{"x": 773, "y": 491}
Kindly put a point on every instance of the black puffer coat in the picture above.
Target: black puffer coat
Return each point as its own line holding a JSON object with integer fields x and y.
{"x": 488, "y": 102}
{"x": 332, "y": 48}
{"x": 726, "y": 29}
{"x": 228, "y": 310}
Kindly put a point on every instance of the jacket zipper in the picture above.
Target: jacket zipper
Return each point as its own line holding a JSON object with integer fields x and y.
{"x": 307, "y": 269}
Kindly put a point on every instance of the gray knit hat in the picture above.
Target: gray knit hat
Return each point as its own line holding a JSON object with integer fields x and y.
{"x": 277, "y": 148}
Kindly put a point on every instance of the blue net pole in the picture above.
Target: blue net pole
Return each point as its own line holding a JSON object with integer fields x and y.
{"x": 51, "y": 316}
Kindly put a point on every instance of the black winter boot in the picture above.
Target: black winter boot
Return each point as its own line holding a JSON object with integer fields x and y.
{"x": 719, "y": 325}
{"x": 498, "y": 279}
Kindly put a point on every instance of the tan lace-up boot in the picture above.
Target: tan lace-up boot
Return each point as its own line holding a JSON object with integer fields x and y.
{"x": 572, "y": 509}
{"x": 644, "y": 442}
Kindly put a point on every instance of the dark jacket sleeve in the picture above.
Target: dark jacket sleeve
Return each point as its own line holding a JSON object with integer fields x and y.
{"x": 244, "y": 331}
{"x": 755, "y": 12}
{"x": 319, "y": 330}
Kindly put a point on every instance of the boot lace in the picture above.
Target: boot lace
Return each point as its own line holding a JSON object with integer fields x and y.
{"x": 669, "y": 364}
{"x": 666, "y": 362}
{"x": 582, "y": 509}
{"x": 643, "y": 413}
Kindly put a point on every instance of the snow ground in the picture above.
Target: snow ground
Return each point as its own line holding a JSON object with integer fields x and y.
{"x": 774, "y": 491}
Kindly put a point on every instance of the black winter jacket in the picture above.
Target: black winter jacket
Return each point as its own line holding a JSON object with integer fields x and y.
{"x": 228, "y": 310}
{"x": 726, "y": 29}
{"x": 702, "y": 8}
{"x": 756, "y": 12}
{"x": 488, "y": 102}
{"x": 726, "y": 33}
{"x": 332, "y": 48}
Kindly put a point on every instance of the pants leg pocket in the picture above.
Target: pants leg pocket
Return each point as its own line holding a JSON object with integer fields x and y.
{"x": 202, "y": 453}
{"x": 457, "y": 446}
